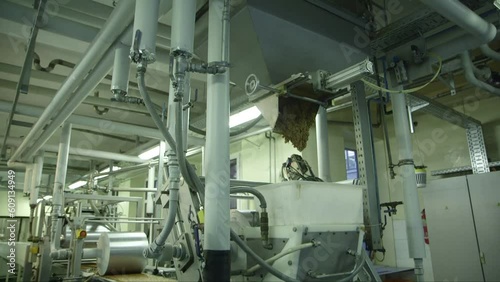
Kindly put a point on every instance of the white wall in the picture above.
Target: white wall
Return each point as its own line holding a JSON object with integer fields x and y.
{"x": 438, "y": 145}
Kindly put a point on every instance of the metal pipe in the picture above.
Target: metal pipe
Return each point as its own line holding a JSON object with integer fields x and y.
{"x": 58, "y": 192}
{"x": 471, "y": 77}
{"x": 97, "y": 154}
{"x": 37, "y": 179}
{"x": 462, "y": 16}
{"x": 121, "y": 70}
{"x": 217, "y": 196}
{"x": 414, "y": 229}
{"x": 322, "y": 145}
{"x": 24, "y": 77}
{"x": 145, "y": 29}
{"x": 490, "y": 52}
{"x": 107, "y": 126}
{"x": 28, "y": 175}
{"x": 120, "y": 18}
{"x": 90, "y": 82}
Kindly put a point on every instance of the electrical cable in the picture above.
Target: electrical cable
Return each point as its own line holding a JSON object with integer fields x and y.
{"x": 412, "y": 90}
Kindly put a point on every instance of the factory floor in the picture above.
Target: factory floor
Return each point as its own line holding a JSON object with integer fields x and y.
{"x": 130, "y": 278}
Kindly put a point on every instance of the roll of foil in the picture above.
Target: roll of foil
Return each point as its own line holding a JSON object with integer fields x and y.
{"x": 121, "y": 253}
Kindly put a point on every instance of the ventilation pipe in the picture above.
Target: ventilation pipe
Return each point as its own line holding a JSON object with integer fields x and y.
{"x": 217, "y": 193}
{"x": 471, "y": 77}
{"x": 414, "y": 226}
{"x": 120, "y": 79}
{"x": 462, "y": 16}
{"x": 143, "y": 47}
{"x": 322, "y": 145}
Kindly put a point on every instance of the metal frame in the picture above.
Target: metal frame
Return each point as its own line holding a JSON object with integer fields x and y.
{"x": 366, "y": 163}
{"x": 474, "y": 131}
{"x": 477, "y": 149}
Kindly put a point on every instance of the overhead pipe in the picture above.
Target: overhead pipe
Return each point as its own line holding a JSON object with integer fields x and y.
{"x": 110, "y": 126}
{"x": 58, "y": 194}
{"x": 217, "y": 193}
{"x": 119, "y": 19}
{"x": 93, "y": 79}
{"x": 471, "y": 77}
{"x": 414, "y": 226}
{"x": 462, "y": 16}
{"x": 322, "y": 145}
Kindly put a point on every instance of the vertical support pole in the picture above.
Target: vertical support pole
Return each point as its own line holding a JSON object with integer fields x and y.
{"x": 414, "y": 228}
{"x": 322, "y": 145}
{"x": 366, "y": 165}
{"x": 37, "y": 179}
{"x": 477, "y": 149}
{"x": 217, "y": 228}
{"x": 150, "y": 195}
{"x": 59, "y": 182}
{"x": 28, "y": 177}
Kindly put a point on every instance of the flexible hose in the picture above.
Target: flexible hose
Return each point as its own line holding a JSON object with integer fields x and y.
{"x": 174, "y": 181}
{"x": 151, "y": 108}
{"x": 156, "y": 246}
{"x": 259, "y": 260}
{"x": 186, "y": 169}
{"x": 253, "y": 191}
{"x": 280, "y": 255}
{"x": 231, "y": 134}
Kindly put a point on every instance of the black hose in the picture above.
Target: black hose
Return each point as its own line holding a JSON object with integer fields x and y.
{"x": 231, "y": 134}
{"x": 259, "y": 260}
{"x": 253, "y": 191}
{"x": 52, "y": 64}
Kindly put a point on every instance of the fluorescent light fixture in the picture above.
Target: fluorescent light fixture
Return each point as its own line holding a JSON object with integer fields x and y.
{"x": 115, "y": 168}
{"x": 77, "y": 184}
{"x": 151, "y": 153}
{"x": 244, "y": 116}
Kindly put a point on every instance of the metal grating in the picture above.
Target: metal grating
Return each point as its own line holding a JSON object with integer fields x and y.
{"x": 477, "y": 149}
{"x": 459, "y": 169}
{"x": 366, "y": 163}
{"x": 441, "y": 111}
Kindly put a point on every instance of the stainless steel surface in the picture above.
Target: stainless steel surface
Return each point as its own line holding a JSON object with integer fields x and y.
{"x": 453, "y": 244}
{"x": 366, "y": 163}
{"x": 477, "y": 149}
{"x": 485, "y": 198}
{"x": 121, "y": 253}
